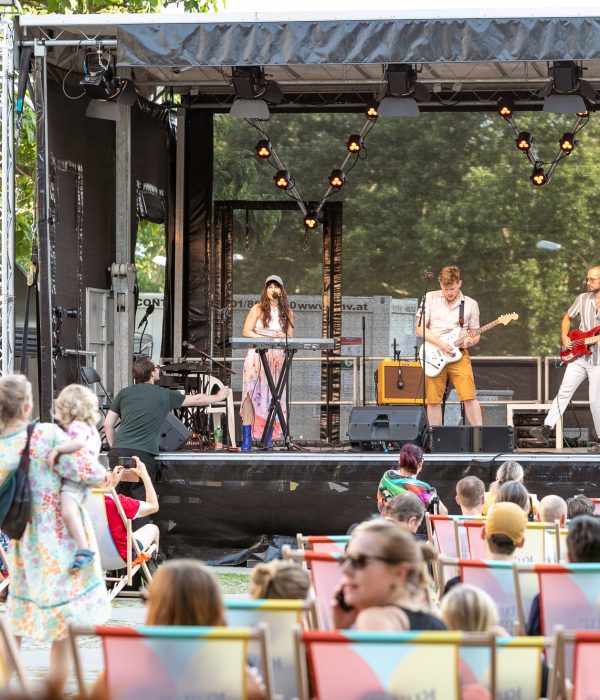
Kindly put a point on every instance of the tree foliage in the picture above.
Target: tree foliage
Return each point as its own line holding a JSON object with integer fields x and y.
{"x": 103, "y": 6}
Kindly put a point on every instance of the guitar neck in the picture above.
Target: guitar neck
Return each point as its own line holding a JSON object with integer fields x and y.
{"x": 472, "y": 332}
{"x": 593, "y": 340}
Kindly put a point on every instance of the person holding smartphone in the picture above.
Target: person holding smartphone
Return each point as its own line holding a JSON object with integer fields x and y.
{"x": 133, "y": 508}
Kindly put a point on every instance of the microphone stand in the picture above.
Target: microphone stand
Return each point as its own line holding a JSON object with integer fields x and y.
{"x": 288, "y": 324}
{"x": 142, "y": 333}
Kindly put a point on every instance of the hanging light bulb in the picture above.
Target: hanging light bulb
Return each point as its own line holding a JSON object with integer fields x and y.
{"x": 567, "y": 143}
{"x": 538, "y": 176}
{"x": 337, "y": 179}
{"x": 263, "y": 148}
{"x": 524, "y": 141}
{"x": 283, "y": 180}
{"x": 371, "y": 112}
{"x": 505, "y": 107}
{"x": 311, "y": 220}
{"x": 354, "y": 143}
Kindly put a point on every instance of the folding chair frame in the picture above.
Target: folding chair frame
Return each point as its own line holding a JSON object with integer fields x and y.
{"x": 12, "y": 656}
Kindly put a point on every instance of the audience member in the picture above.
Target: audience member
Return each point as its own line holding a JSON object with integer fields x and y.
{"x": 279, "y": 579}
{"x": 583, "y": 547}
{"x": 504, "y": 531}
{"x": 407, "y": 509}
{"x": 185, "y": 592}
{"x": 384, "y": 583}
{"x": 470, "y": 495}
{"x": 553, "y": 508}
{"x": 579, "y": 505}
{"x": 515, "y": 492}
{"x": 44, "y": 597}
{"x": 404, "y": 478}
{"x": 147, "y": 534}
{"x": 76, "y": 409}
{"x": 507, "y": 471}
{"x": 470, "y": 609}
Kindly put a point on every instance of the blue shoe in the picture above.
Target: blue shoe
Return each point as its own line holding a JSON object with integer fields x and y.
{"x": 83, "y": 557}
{"x": 246, "y": 438}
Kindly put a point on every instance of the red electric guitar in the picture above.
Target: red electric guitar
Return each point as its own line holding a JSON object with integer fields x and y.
{"x": 581, "y": 341}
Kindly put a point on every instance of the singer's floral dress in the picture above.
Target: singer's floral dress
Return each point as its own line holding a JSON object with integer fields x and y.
{"x": 255, "y": 384}
{"x": 43, "y": 596}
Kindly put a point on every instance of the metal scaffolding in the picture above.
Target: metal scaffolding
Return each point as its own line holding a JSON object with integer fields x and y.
{"x": 7, "y": 308}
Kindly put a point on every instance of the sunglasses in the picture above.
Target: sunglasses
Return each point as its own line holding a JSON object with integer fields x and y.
{"x": 358, "y": 562}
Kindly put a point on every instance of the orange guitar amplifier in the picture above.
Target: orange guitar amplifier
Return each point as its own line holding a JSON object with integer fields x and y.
{"x": 399, "y": 382}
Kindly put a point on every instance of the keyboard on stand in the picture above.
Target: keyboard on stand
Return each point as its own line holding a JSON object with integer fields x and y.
{"x": 274, "y": 343}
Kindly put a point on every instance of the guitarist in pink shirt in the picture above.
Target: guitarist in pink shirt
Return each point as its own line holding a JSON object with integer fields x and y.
{"x": 446, "y": 310}
{"x": 581, "y": 353}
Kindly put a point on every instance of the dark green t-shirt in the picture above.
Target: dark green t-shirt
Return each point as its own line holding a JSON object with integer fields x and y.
{"x": 143, "y": 408}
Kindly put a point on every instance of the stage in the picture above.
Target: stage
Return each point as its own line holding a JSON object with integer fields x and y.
{"x": 230, "y": 507}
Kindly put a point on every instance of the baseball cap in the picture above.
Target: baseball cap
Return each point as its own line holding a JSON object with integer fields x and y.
{"x": 506, "y": 519}
{"x": 274, "y": 278}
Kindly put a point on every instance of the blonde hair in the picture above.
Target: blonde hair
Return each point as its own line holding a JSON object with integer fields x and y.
{"x": 15, "y": 391}
{"x": 449, "y": 275}
{"x": 469, "y": 609}
{"x": 76, "y": 402}
{"x": 399, "y": 545}
{"x": 507, "y": 471}
{"x": 185, "y": 592}
{"x": 279, "y": 579}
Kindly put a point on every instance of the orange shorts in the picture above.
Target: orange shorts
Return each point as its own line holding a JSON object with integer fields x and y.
{"x": 460, "y": 374}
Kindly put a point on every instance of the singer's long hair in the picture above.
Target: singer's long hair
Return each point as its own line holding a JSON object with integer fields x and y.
{"x": 283, "y": 305}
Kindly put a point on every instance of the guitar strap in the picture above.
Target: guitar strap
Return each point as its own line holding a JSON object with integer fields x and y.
{"x": 461, "y": 313}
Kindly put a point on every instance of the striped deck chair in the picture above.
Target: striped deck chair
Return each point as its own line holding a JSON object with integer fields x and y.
{"x": 596, "y": 502}
{"x": 164, "y": 663}
{"x": 281, "y": 618}
{"x": 323, "y": 543}
{"x": 358, "y": 665}
{"x": 9, "y": 661}
{"x": 469, "y": 539}
{"x": 542, "y": 544}
{"x": 325, "y": 575}
{"x": 110, "y": 559}
{"x": 569, "y": 594}
{"x": 562, "y": 543}
{"x": 584, "y": 648}
{"x": 497, "y": 579}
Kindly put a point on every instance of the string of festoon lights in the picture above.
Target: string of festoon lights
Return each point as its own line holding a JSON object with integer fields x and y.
{"x": 524, "y": 141}
{"x": 283, "y": 179}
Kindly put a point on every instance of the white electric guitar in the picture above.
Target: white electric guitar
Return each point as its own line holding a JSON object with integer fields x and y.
{"x": 436, "y": 360}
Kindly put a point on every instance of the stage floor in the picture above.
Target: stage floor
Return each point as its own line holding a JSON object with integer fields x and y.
{"x": 226, "y": 507}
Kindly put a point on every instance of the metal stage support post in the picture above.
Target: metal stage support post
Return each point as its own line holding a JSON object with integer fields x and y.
{"x": 123, "y": 271}
{"x": 179, "y": 226}
{"x": 7, "y": 347}
{"x": 45, "y": 315}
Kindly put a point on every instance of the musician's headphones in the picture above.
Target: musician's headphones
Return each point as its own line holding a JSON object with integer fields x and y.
{"x": 400, "y": 382}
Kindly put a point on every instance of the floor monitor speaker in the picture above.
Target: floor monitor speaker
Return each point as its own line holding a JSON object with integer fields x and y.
{"x": 370, "y": 426}
{"x": 451, "y": 438}
{"x": 173, "y": 434}
{"x": 493, "y": 438}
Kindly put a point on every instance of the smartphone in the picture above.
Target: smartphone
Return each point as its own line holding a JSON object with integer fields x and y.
{"x": 341, "y": 602}
{"x": 126, "y": 462}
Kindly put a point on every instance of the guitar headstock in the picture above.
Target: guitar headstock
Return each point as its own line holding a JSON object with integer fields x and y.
{"x": 505, "y": 319}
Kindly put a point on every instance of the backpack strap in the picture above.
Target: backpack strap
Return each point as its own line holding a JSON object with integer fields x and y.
{"x": 24, "y": 461}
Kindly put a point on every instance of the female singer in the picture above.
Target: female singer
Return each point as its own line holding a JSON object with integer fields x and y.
{"x": 271, "y": 317}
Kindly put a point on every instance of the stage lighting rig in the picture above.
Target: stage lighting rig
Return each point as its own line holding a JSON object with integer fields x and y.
{"x": 567, "y": 143}
{"x": 248, "y": 82}
{"x": 372, "y": 110}
{"x": 283, "y": 180}
{"x": 99, "y": 80}
{"x": 565, "y": 91}
{"x": 311, "y": 220}
{"x": 355, "y": 143}
{"x": 337, "y": 179}
{"x": 505, "y": 107}
{"x": 524, "y": 141}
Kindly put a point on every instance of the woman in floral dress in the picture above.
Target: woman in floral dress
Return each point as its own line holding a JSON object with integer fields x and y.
{"x": 271, "y": 317}
{"x": 44, "y": 597}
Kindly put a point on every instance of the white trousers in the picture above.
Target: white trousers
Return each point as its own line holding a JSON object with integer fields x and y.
{"x": 576, "y": 372}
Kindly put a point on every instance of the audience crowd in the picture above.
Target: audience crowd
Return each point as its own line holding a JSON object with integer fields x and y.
{"x": 385, "y": 573}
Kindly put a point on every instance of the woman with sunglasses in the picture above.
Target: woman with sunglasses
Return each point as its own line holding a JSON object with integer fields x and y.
{"x": 384, "y": 583}
{"x": 271, "y": 317}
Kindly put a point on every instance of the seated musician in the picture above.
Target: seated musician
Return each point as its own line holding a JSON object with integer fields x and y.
{"x": 271, "y": 317}
{"x": 583, "y": 366}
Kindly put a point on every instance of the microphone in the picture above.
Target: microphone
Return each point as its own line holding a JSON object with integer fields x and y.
{"x": 149, "y": 310}
{"x": 429, "y": 275}
{"x": 276, "y": 295}
{"x": 400, "y": 382}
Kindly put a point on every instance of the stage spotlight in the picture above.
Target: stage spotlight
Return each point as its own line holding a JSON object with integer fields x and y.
{"x": 401, "y": 79}
{"x": 248, "y": 82}
{"x": 337, "y": 179}
{"x": 505, "y": 107}
{"x": 311, "y": 220}
{"x": 371, "y": 112}
{"x": 567, "y": 143}
{"x": 355, "y": 143}
{"x": 263, "y": 148}
{"x": 538, "y": 176}
{"x": 99, "y": 79}
{"x": 283, "y": 180}
{"x": 524, "y": 141}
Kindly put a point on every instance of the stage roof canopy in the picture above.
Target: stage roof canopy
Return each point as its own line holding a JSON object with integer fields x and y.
{"x": 464, "y": 58}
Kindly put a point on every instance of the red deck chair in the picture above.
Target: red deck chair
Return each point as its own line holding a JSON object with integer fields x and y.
{"x": 584, "y": 648}
{"x": 323, "y": 543}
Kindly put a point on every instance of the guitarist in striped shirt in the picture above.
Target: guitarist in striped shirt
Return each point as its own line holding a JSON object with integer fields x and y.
{"x": 446, "y": 309}
{"x": 581, "y": 353}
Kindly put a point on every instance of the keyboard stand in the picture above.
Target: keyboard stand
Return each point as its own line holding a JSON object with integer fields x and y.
{"x": 275, "y": 407}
